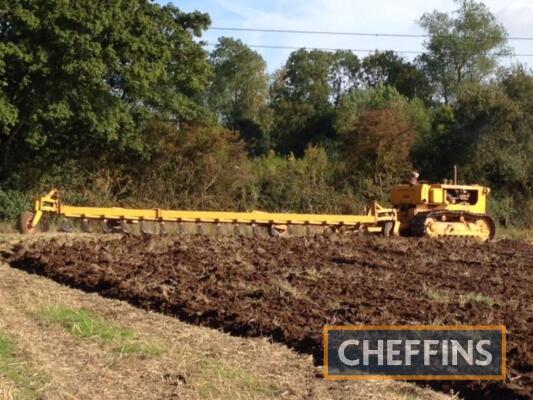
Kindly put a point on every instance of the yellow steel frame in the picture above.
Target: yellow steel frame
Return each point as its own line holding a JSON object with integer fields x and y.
{"x": 51, "y": 204}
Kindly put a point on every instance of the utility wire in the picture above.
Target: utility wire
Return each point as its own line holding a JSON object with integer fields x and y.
{"x": 266, "y": 46}
{"x": 402, "y": 35}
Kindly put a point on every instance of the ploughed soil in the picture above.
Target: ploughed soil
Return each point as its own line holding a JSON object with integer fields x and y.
{"x": 289, "y": 288}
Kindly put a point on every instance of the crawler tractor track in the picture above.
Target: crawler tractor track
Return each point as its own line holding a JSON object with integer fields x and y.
{"x": 449, "y": 223}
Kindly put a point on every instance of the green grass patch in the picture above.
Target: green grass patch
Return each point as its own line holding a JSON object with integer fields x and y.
{"x": 84, "y": 324}
{"x": 15, "y": 368}
{"x": 222, "y": 381}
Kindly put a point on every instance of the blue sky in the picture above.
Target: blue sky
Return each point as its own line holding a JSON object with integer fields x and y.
{"x": 375, "y": 16}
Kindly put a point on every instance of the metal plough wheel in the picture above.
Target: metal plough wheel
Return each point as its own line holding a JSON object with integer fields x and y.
{"x": 387, "y": 228}
{"x": 24, "y": 223}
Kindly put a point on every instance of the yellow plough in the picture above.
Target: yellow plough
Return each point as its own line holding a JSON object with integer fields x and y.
{"x": 378, "y": 219}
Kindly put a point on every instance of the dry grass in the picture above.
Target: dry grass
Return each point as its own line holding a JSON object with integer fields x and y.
{"x": 65, "y": 337}
{"x": 7, "y": 389}
{"x": 515, "y": 234}
{"x": 284, "y": 287}
{"x": 439, "y": 296}
{"x": 446, "y": 297}
{"x": 7, "y": 227}
{"x": 19, "y": 379}
{"x": 478, "y": 298}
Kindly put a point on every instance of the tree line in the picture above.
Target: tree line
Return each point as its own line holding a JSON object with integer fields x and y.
{"x": 118, "y": 102}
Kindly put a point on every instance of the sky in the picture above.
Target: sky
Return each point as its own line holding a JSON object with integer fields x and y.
{"x": 374, "y": 16}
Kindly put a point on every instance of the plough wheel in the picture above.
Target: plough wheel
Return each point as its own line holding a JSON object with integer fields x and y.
{"x": 387, "y": 228}
{"x": 24, "y": 223}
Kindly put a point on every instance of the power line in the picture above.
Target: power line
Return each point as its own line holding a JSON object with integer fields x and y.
{"x": 402, "y": 35}
{"x": 266, "y": 46}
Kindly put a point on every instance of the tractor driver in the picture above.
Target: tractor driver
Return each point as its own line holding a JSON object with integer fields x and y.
{"x": 414, "y": 178}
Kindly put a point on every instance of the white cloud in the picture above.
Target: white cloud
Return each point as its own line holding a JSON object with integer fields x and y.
{"x": 517, "y": 16}
{"x": 376, "y": 16}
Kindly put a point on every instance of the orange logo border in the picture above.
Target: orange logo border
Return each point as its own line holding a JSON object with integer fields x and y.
{"x": 502, "y": 328}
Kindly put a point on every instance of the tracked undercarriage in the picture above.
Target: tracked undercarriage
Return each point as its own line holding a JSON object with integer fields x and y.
{"x": 447, "y": 223}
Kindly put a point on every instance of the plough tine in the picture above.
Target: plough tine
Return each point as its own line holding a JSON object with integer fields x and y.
{"x": 144, "y": 228}
{"x": 85, "y": 227}
{"x": 162, "y": 228}
{"x": 199, "y": 229}
{"x": 65, "y": 227}
{"x": 105, "y": 226}
{"x": 124, "y": 226}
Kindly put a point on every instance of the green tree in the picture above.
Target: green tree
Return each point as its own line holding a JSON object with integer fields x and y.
{"x": 376, "y": 152}
{"x": 434, "y": 153}
{"x": 494, "y": 137}
{"x": 378, "y": 130}
{"x": 387, "y": 68}
{"x": 238, "y": 93}
{"x": 463, "y": 46}
{"x": 305, "y": 184}
{"x": 343, "y": 74}
{"x": 198, "y": 167}
{"x": 304, "y": 95}
{"x": 488, "y": 134}
{"x": 379, "y": 98}
{"x": 80, "y": 78}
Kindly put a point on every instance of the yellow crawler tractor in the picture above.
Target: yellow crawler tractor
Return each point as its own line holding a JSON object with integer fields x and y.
{"x": 439, "y": 210}
{"x": 420, "y": 209}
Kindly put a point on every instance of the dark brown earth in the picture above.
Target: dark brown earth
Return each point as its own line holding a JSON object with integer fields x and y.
{"x": 288, "y": 289}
